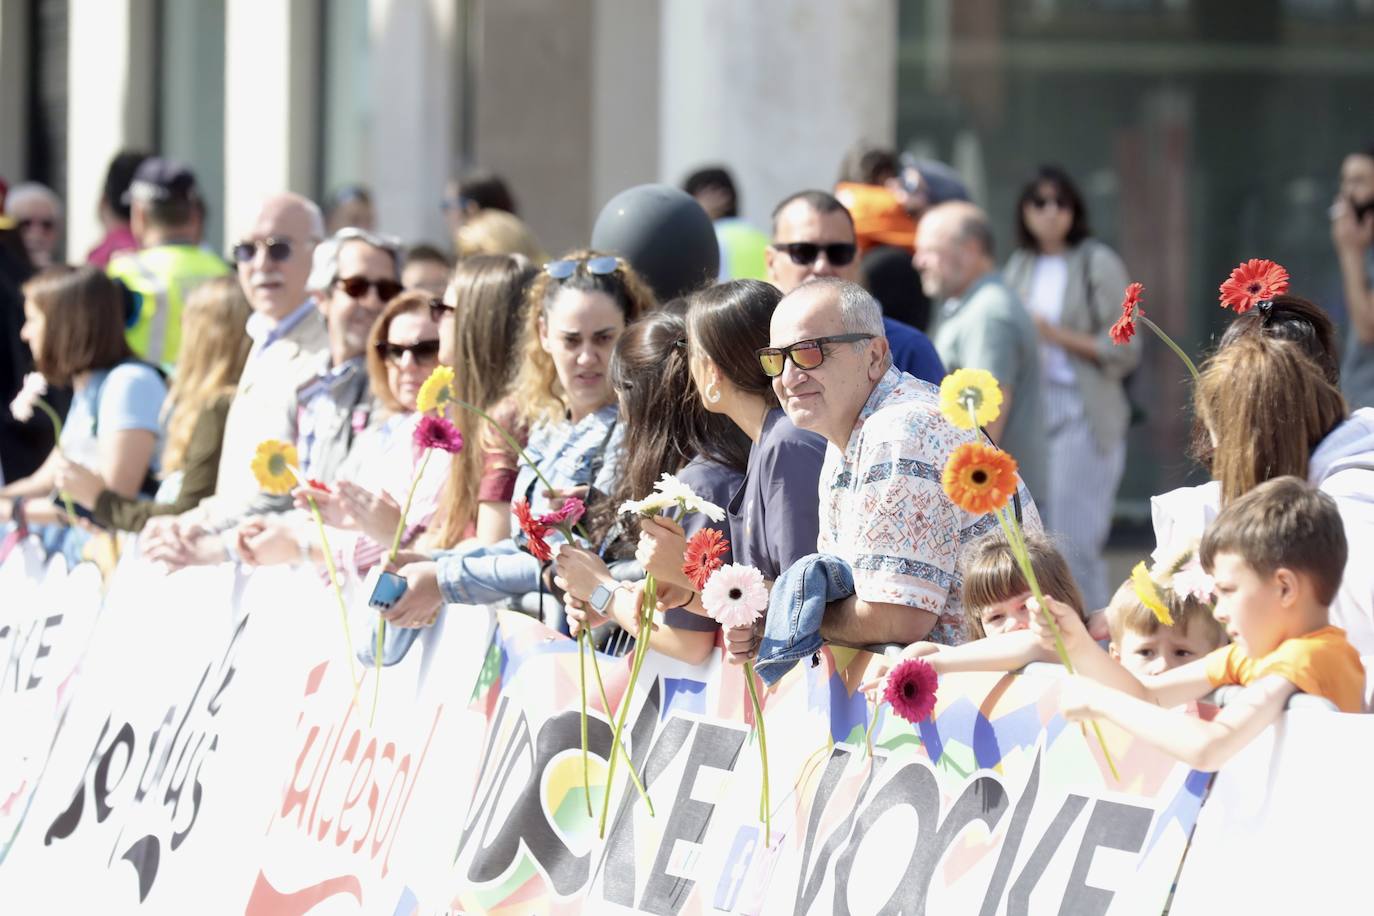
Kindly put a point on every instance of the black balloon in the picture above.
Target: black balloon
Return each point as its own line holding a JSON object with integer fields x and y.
{"x": 664, "y": 234}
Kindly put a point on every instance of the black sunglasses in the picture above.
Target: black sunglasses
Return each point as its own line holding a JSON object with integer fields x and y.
{"x": 598, "y": 267}
{"x": 424, "y": 351}
{"x": 277, "y": 249}
{"x": 804, "y": 253}
{"x": 357, "y": 287}
{"x": 806, "y": 354}
{"x": 439, "y": 310}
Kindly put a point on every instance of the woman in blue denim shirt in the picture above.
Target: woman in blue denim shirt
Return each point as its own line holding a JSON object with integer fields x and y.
{"x": 666, "y": 431}
{"x": 580, "y": 304}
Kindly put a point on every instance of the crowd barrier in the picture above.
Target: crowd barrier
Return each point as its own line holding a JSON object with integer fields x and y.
{"x": 198, "y": 743}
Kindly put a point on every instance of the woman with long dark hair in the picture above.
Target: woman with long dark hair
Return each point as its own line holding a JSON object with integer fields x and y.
{"x": 1072, "y": 285}
{"x": 666, "y": 432}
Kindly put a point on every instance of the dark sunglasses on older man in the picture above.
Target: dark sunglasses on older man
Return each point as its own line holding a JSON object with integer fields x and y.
{"x": 598, "y": 267}
{"x": 424, "y": 351}
{"x": 357, "y": 287}
{"x": 806, "y": 354}
{"x": 805, "y": 253}
{"x": 277, "y": 249}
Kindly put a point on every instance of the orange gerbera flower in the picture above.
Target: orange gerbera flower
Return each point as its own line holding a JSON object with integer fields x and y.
{"x": 979, "y": 478}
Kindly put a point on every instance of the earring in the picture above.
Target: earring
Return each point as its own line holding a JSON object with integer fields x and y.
{"x": 712, "y": 393}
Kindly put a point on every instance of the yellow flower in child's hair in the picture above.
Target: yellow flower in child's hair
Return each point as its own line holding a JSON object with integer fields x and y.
{"x": 437, "y": 391}
{"x": 274, "y": 466}
{"x": 1148, "y": 594}
{"x": 979, "y": 478}
{"x": 970, "y": 391}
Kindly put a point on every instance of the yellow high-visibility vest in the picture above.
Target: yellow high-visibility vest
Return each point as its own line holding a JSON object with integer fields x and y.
{"x": 162, "y": 278}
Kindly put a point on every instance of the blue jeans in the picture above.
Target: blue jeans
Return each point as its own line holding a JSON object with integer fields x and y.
{"x": 792, "y": 630}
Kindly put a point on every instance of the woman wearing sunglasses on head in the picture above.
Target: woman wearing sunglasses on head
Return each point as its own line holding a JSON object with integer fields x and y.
{"x": 373, "y": 479}
{"x": 773, "y": 514}
{"x": 578, "y": 307}
{"x": 667, "y": 431}
{"x": 1072, "y": 286}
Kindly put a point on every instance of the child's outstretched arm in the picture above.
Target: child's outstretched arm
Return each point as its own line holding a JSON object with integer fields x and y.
{"x": 1201, "y": 744}
{"x": 1004, "y": 652}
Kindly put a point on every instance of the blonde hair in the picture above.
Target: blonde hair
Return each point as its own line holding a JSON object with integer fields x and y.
{"x": 1268, "y": 405}
{"x": 214, "y": 349}
{"x": 496, "y": 232}
{"x": 413, "y": 300}
{"x": 488, "y": 292}
{"x": 536, "y": 387}
{"x": 1126, "y": 614}
{"x": 992, "y": 575}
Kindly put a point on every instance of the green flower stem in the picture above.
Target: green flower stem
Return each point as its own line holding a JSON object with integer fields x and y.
{"x": 1012, "y": 530}
{"x": 620, "y": 747}
{"x": 57, "y": 437}
{"x": 872, "y": 724}
{"x": 1169, "y": 341}
{"x": 646, "y": 622}
{"x": 767, "y": 812}
{"x": 582, "y": 688}
{"x": 334, "y": 581}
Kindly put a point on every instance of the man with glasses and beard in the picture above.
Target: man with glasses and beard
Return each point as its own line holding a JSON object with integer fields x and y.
{"x": 883, "y": 511}
{"x": 813, "y": 236}
{"x": 982, "y": 325}
{"x": 289, "y": 337}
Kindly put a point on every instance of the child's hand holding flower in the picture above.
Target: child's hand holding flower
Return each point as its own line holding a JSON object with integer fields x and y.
{"x": 80, "y": 483}
{"x": 1077, "y": 699}
{"x": 1071, "y": 628}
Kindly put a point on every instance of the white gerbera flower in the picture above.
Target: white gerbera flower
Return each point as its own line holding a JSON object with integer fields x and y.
{"x": 687, "y": 498}
{"x": 34, "y": 387}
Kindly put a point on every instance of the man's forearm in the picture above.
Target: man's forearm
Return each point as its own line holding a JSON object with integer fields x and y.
{"x": 854, "y": 622}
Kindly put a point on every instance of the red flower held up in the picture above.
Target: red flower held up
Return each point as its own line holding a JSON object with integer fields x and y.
{"x": 535, "y": 531}
{"x": 1251, "y": 283}
{"x": 911, "y": 689}
{"x": 704, "y": 555}
{"x": 320, "y": 485}
{"x": 1124, "y": 329}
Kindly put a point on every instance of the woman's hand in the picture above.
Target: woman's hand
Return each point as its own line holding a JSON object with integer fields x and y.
{"x": 662, "y": 544}
{"x": 333, "y": 510}
{"x": 580, "y": 571}
{"x": 79, "y": 482}
{"x": 263, "y": 541}
{"x": 419, "y": 606}
{"x": 580, "y": 614}
{"x": 377, "y": 515}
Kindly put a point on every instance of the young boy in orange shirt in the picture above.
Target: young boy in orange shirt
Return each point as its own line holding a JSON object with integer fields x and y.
{"x": 1276, "y": 555}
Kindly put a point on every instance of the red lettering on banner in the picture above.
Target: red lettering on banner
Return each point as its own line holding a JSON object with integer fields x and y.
{"x": 405, "y": 765}
{"x": 351, "y": 797}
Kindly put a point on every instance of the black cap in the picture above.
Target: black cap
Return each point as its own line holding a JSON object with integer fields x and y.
{"x": 664, "y": 234}
{"x": 162, "y": 179}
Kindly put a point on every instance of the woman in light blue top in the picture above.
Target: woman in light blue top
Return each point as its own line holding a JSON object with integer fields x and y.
{"x": 73, "y": 324}
{"x": 579, "y": 306}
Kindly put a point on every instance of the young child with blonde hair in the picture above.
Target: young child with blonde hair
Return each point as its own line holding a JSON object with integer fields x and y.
{"x": 1143, "y": 643}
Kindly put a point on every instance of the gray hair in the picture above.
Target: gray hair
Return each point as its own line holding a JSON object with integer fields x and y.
{"x": 860, "y": 313}
{"x": 31, "y": 190}
{"x": 324, "y": 269}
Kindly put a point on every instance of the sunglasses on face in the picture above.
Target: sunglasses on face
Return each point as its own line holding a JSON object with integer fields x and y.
{"x": 424, "y": 351}
{"x": 40, "y": 222}
{"x": 1040, "y": 203}
{"x": 277, "y": 249}
{"x": 597, "y": 267}
{"x": 805, "y": 253}
{"x": 357, "y": 287}
{"x": 806, "y": 354}
{"x": 439, "y": 310}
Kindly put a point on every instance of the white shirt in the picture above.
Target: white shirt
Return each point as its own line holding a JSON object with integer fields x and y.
{"x": 1045, "y": 299}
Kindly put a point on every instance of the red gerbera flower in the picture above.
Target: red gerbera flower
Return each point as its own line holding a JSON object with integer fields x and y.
{"x": 438, "y": 432}
{"x": 704, "y": 555}
{"x": 535, "y": 531}
{"x": 314, "y": 484}
{"x": 1124, "y": 329}
{"x": 1252, "y": 282}
{"x": 911, "y": 689}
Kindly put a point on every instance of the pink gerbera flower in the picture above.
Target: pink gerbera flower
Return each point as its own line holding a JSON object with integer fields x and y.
{"x": 572, "y": 510}
{"x": 911, "y": 689}
{"x": 735, "y": 595}
{"x": 438, "y": 432}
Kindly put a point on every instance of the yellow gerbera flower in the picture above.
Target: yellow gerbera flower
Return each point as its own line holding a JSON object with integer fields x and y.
{"x": 963, "y": 389}
{"x": 437, "y": 391}
{"x": 275, "y": 465}
{"x": 1148, "y": 594}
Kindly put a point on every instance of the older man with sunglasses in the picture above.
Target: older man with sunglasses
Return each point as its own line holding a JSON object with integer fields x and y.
{"x": 813, "y": 237}
{"x": 289, "y": 339}
{"x": 882, "y": 508}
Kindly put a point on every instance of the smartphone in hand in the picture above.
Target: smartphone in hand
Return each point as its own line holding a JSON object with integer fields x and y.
{"x": 388, "y": 590}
